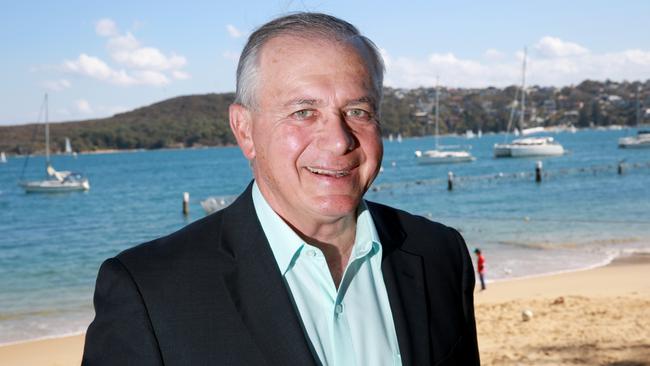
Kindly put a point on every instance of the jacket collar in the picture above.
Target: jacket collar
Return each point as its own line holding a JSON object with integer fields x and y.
{"x": 258, "y": 289}
{"x": 404, "y": 278}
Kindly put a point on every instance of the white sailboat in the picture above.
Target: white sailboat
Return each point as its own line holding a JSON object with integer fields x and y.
{"x": 68, "y": 147}
{"x": 438, "y": 155}
{"x": 642, "y": 139}
{"x": 55, "y": 181}
{"x": 529, "y": 146}
{"x": 3, "y": 157}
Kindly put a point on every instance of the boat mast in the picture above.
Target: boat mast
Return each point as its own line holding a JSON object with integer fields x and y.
{"x": 47, "y": 135}
{"x": 638, "y": 104}
{"x": 523, "y": 93}
{"x": 437, "y": 108}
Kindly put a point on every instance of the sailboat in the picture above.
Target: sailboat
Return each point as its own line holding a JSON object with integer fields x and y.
{"x": 55, "y": 181}
{"x": 438, "y": 155}
{"x": 642, "y": 139}
{"x": 3, "y": 157}
{"x": 68, "y": 147}
{"x": 529, "y": 146}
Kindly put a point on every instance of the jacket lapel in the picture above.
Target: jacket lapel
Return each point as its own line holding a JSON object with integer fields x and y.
{"x": 258, "y": 289}
{"x": 404, "y": 278}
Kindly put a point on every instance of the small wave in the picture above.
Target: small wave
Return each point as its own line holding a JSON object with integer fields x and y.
{"x": 539, "y": 245}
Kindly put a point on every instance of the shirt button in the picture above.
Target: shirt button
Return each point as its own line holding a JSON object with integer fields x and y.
{"x": 338, "y": 309}
{"x": 311, "y": 253}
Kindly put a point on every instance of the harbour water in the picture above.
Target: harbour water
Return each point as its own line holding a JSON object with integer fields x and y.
{"x": 51, "y": 245}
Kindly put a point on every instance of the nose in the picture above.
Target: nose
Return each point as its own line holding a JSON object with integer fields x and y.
{"x": 336, "y": 136}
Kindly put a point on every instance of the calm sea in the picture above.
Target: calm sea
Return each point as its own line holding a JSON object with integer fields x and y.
{"x": 51, "y": 245}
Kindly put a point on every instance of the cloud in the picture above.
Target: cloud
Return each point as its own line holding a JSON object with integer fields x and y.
{"x": 89, "y": 66}
{"x": 135, "y": 64}
{"x": 126, "y": 50}
{"x": 151, "y": 77}
{"x": 180, "y": 75}
{"x": 551, "y": 62}
{"x": 106, "y": 27}
{"x": 234, "y": 32}
{"x": 98, "y": 69}
{"x": 57, "y": 85}
{"x": 122, "y": 43}
{"x": 493, "y": 54}
{"x": 555, "y": 47}
{"x": 83, "y": 106}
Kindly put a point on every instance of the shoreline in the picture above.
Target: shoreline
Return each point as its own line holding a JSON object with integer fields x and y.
{"x": 617, "y": 260}
{"x": 610, "y": 260}
{"x": 585, "y": 292}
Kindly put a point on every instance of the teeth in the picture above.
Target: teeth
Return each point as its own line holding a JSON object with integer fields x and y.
{"x": 331, "y": 173}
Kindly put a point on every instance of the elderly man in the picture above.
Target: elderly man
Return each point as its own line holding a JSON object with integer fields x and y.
{"x": 299, "y": 270}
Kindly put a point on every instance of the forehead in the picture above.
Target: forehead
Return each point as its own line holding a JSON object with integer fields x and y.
{"x": 293, "y": 54}
{"x": 291, "y": 67}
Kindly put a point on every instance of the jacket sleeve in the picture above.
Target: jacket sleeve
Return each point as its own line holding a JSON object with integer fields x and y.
{"x": 121, "y": 333}
{"x": 469, "y": 353}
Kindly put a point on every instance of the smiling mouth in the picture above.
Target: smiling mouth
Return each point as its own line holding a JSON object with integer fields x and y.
{"x": 329, "y": 173}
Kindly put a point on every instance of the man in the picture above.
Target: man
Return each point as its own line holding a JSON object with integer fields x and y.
{"x": 299, "y": 270}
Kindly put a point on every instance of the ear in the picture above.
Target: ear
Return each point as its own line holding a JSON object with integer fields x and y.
{"x": 241, "y": 124}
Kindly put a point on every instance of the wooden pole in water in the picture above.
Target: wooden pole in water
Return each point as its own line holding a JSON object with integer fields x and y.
{"x": 450, "y": 181}
{"x": 620, "y": 168}
{"x": 186, "y": 203}
{"x": 538, "y": 171}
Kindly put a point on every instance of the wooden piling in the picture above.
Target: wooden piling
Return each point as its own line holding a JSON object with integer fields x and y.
{"x": 538, "y": 171}
{"x": 186, "y": 203}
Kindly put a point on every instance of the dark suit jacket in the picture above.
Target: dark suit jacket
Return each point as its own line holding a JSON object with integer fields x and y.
{"x": 212, "y": 294}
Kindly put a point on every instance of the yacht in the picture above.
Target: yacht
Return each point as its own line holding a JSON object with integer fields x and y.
{"x": 440, "y": 155}
{"x": 528, "y": 146}
{"x": 55, "y": 181}
{"x": 640, "y": 141}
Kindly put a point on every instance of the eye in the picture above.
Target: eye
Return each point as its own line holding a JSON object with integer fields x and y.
{"x": 358, "y": 114}
{"x": 303, "y": 114}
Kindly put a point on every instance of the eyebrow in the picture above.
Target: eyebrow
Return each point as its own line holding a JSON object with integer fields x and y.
{"x": 363, "y": 100}
{"x": 303, "y": 101}
{"x": 318, "y": 102}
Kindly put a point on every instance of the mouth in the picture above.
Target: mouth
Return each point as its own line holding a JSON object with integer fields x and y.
{"x": 329, "y": 172}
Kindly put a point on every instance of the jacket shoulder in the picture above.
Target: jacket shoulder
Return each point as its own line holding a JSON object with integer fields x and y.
{"x": 420, "y": 233}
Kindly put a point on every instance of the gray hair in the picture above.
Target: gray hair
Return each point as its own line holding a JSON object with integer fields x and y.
{"x": 303, "y": 25}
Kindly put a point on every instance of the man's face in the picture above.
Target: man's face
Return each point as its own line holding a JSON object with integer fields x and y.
{"x": 314, "y": 137}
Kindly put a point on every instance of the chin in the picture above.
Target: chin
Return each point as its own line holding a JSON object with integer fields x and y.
{"x": 338, "y": 206}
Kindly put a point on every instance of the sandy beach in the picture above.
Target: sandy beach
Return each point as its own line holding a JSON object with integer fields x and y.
{"x": 593, "y": 317}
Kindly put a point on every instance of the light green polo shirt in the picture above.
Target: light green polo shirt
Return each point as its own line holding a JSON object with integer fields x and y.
{"x": 349, "y": 326}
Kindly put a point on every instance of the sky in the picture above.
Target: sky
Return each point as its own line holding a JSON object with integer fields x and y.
{"x": 95, "y": 59}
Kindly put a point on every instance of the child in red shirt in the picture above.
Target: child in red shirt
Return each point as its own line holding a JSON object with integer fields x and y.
{"x": 481, "y": 267}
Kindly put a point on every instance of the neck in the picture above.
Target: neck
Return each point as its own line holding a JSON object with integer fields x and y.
{"x": 335, "y": 240}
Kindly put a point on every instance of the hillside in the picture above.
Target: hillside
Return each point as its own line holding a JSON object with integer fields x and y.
{"x": 202, "y": 120}
{"x": 178, "y": 122}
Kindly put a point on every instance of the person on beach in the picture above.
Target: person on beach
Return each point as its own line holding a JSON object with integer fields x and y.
{"x": 300, "y": 269}
{"x": 480, "y": 267}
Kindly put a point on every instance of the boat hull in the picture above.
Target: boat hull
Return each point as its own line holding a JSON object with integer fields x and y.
{"x": 539, "y": 150}
{"x": 639, "y": 142}
{"x": 443, "y": 157}
{"x": 54, "y": 186}
{"x": 502, "y": 151}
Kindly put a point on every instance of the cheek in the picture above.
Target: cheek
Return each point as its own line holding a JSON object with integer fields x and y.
{"x": 372, "y": 145}
{"x": 289, "y": 143}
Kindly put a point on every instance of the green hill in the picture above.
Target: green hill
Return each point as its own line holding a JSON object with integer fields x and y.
{"x": 202, "y": 120}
